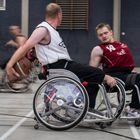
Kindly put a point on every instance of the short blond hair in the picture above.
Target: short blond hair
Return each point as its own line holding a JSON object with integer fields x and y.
{"x": 52, "y": 10}
{"x": 101, "y": 25}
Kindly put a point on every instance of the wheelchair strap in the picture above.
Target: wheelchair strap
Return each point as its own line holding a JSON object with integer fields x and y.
{"x": 130, "y": 80}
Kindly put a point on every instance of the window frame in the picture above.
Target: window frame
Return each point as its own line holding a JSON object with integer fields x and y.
{"x": 3, "y": 7}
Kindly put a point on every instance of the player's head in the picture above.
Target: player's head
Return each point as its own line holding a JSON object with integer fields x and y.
{"x": 104, "y": 33}
{"x": 14, "y": 30}
{"x": 53, "y": 11}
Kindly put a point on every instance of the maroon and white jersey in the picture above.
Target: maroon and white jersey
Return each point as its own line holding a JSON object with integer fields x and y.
{"x": 116, "y": 55}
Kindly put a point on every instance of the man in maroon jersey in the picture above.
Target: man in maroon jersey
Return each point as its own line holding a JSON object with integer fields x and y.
{"x": 116, "y": 60}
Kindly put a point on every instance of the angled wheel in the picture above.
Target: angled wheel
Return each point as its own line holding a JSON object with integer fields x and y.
{"x": 60, "y": 103}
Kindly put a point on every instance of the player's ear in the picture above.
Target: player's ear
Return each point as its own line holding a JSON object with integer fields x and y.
{"x": 111, "y": 32}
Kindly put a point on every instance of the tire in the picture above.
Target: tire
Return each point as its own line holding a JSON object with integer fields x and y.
{"x": 116, "y": 97}
{"x": 16, "y": 87}
{"x": 24, "y": 87}
{"x": 60, "y": 103}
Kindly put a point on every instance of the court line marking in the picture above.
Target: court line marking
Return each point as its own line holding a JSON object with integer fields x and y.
{"x": 14, "y": 127}
{"x": 134, "y": 130}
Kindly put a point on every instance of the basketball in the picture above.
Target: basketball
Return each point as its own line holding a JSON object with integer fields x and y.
{"x": 23, "y": 67}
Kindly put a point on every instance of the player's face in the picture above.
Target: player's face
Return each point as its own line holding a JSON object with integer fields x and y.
{"x": 105, "y": 35}
{"x": 14, "y": 31}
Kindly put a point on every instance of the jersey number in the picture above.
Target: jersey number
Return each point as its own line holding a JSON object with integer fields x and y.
{"x": 111, "y": 48}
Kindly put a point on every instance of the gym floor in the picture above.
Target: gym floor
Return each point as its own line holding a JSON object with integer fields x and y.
{"x": 14, "y": 126}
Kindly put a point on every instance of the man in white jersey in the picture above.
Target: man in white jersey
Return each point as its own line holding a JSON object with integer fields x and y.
{"x": 52, "y": 53}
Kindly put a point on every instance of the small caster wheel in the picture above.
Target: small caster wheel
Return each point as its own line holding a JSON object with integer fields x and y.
{"x": 36, "y": 126}
{"x": 35, "y": 118}
{"x": 109, "y": 123}
{"x": 137, "y": 123}
{"x": 102, "y": 125}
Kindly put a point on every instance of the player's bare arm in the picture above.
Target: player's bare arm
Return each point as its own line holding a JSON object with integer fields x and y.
{"x": 12, "y": 43}
{"x": 95, "y": 57}
{"x": 20, "y": 40}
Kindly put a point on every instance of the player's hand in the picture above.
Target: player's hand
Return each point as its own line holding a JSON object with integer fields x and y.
{"x": 110, "y": 80}
{"x": 11, "y": 73}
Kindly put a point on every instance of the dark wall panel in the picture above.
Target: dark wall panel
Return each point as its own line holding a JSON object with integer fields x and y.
{"x": 12, "y": 15}
{"x": 130, "y": 24}
{"x": 36, "y": 13}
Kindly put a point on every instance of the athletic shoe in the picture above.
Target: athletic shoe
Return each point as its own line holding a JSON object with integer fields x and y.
{"x": 131, "y": 112}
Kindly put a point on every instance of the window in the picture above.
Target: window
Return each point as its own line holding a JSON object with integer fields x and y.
{"x": 75, "y": 14}
{"x": 2, "y": 4}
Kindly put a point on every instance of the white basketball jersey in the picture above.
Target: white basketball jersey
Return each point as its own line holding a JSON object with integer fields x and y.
{"x": 55, "y": 50}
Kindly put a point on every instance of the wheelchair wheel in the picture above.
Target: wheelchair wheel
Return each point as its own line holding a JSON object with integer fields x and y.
{"x": 60, "y": 103}
{"x": 114, "y": 104}
{"x": 18, "y": 87}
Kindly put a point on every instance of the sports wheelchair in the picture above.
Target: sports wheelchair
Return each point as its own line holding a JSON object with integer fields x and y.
{"x": 62, "y": 102}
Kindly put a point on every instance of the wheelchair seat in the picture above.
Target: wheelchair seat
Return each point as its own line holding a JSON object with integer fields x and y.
{"x": 50, "y": 73}
{"x": 62, "y": 72}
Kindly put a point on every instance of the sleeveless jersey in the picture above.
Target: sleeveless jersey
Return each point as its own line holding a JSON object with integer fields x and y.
{"x": 55, "y": 50}
{"x": 116, "y": 55}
